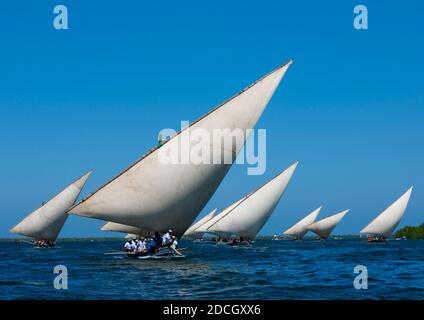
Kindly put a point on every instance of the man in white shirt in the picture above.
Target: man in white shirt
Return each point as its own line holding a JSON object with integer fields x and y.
{"x": 174, "y": 243}
{"x": 141, "y": 245}
{"x": 167, "y": 238}
{"x": 133, "y": 245}
{"x": 127, "y": 246}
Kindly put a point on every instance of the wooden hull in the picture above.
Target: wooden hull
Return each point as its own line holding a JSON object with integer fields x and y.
{"x": 377, "y": 239}
{"x": 162, "y": 252}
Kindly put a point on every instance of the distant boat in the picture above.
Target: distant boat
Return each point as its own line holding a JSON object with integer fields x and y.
{"x": 45, "y": 223}
{"x": 386, "y": 222}
{"x": 246, "y": 217}
{"x": 299, "y": 230}
{"x": 324, "y": 227}
{"x": 153, "y": 195}
{"x": 191, "y": 232}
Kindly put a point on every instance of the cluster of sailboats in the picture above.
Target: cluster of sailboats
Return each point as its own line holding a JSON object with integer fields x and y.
{"x": 151, "y": 196}
{"x": 378, "y": 230}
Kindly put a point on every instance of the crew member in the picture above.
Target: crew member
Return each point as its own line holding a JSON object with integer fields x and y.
{"x": 128, "y": 246}
{"x": 167, "y": 238}
{"x": 174, "y": 242}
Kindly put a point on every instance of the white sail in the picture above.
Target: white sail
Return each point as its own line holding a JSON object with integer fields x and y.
{"x": 132, "y": 236}
{"x": 299, "y": 230}
{"x": 385, "y": 223}
{"x": 191, "y": 232}
{"x": 246, "y": 217}
{"x": 324, "y": 227}
{"x": 205, "y": 227}
{"x": 123, "y": 228}
{"x": 157, "y": 196}
{"x": 46, "y": 222}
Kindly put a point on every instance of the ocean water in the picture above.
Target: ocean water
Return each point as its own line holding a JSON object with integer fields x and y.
{"x": 267, "y": 270}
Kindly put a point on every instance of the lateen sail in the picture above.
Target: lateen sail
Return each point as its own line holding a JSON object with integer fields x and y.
{"x": 131, "y": 236}
{"x": 385, "y": 223}
{"x": 46, "y": 222}
{"x": 324, "y": 227}
{"x": 118, "y": 227}
{"x": 156, "y": 196}
{"x": 205, "y": 227}
{"x": 247, "y": 216}
{"x": 300, "y": 228}
{"x": 191, "y": 232}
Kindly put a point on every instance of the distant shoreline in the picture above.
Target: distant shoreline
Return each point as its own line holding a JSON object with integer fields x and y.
{"x": 411, "y": 232}
{"x": 122, "y": 238}
{"x": 259, "y": 238}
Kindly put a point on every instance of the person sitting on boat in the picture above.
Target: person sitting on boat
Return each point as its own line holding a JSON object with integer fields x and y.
{"x": 235, "y": 241}
{"x": 174, "y": 242}
{"x": 141, "y": 245}
{"x": 128, "y": 246}
{"x": 149, "y": 245}
{"x": 41, "y": 243}
{"x": 154, "y": 243}
{"x": 133, "y": 245}
{"x": 167, "y": 238}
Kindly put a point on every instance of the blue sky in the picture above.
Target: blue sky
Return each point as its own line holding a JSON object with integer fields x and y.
{"x": 96, "y": 95}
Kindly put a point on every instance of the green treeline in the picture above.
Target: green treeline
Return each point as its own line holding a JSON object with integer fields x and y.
{"x": 411, "y": 232}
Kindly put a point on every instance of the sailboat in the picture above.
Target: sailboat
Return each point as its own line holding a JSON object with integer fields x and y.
{"x": 324, "y": 227}
{"x": 299, "y": 230}
{"x": 386, "y": 222}
{"x": 45, "y": 223}
{"x": 246, "y": 217}
{"x": 153, "y": 195}
{"x": 191, "y": 232}
{"x": 135, "y": 234}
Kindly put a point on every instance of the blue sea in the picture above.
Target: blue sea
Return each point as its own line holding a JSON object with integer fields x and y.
{"x": 266, "y": 270}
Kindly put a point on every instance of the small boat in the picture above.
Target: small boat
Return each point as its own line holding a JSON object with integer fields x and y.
{"x": 381, "y": 228}
{"x": 401, "y": 238}
{"x": 45, "y": 223}
{"x": 298, "y": 231}
{"x": 324, "y": 227}
{"x": 371, "y": 238}
{"x": 246, "y": 217}
{"x": 159, "y": 253}
{"x": 239, "y": 243}
{"x": 212, "y": 241}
